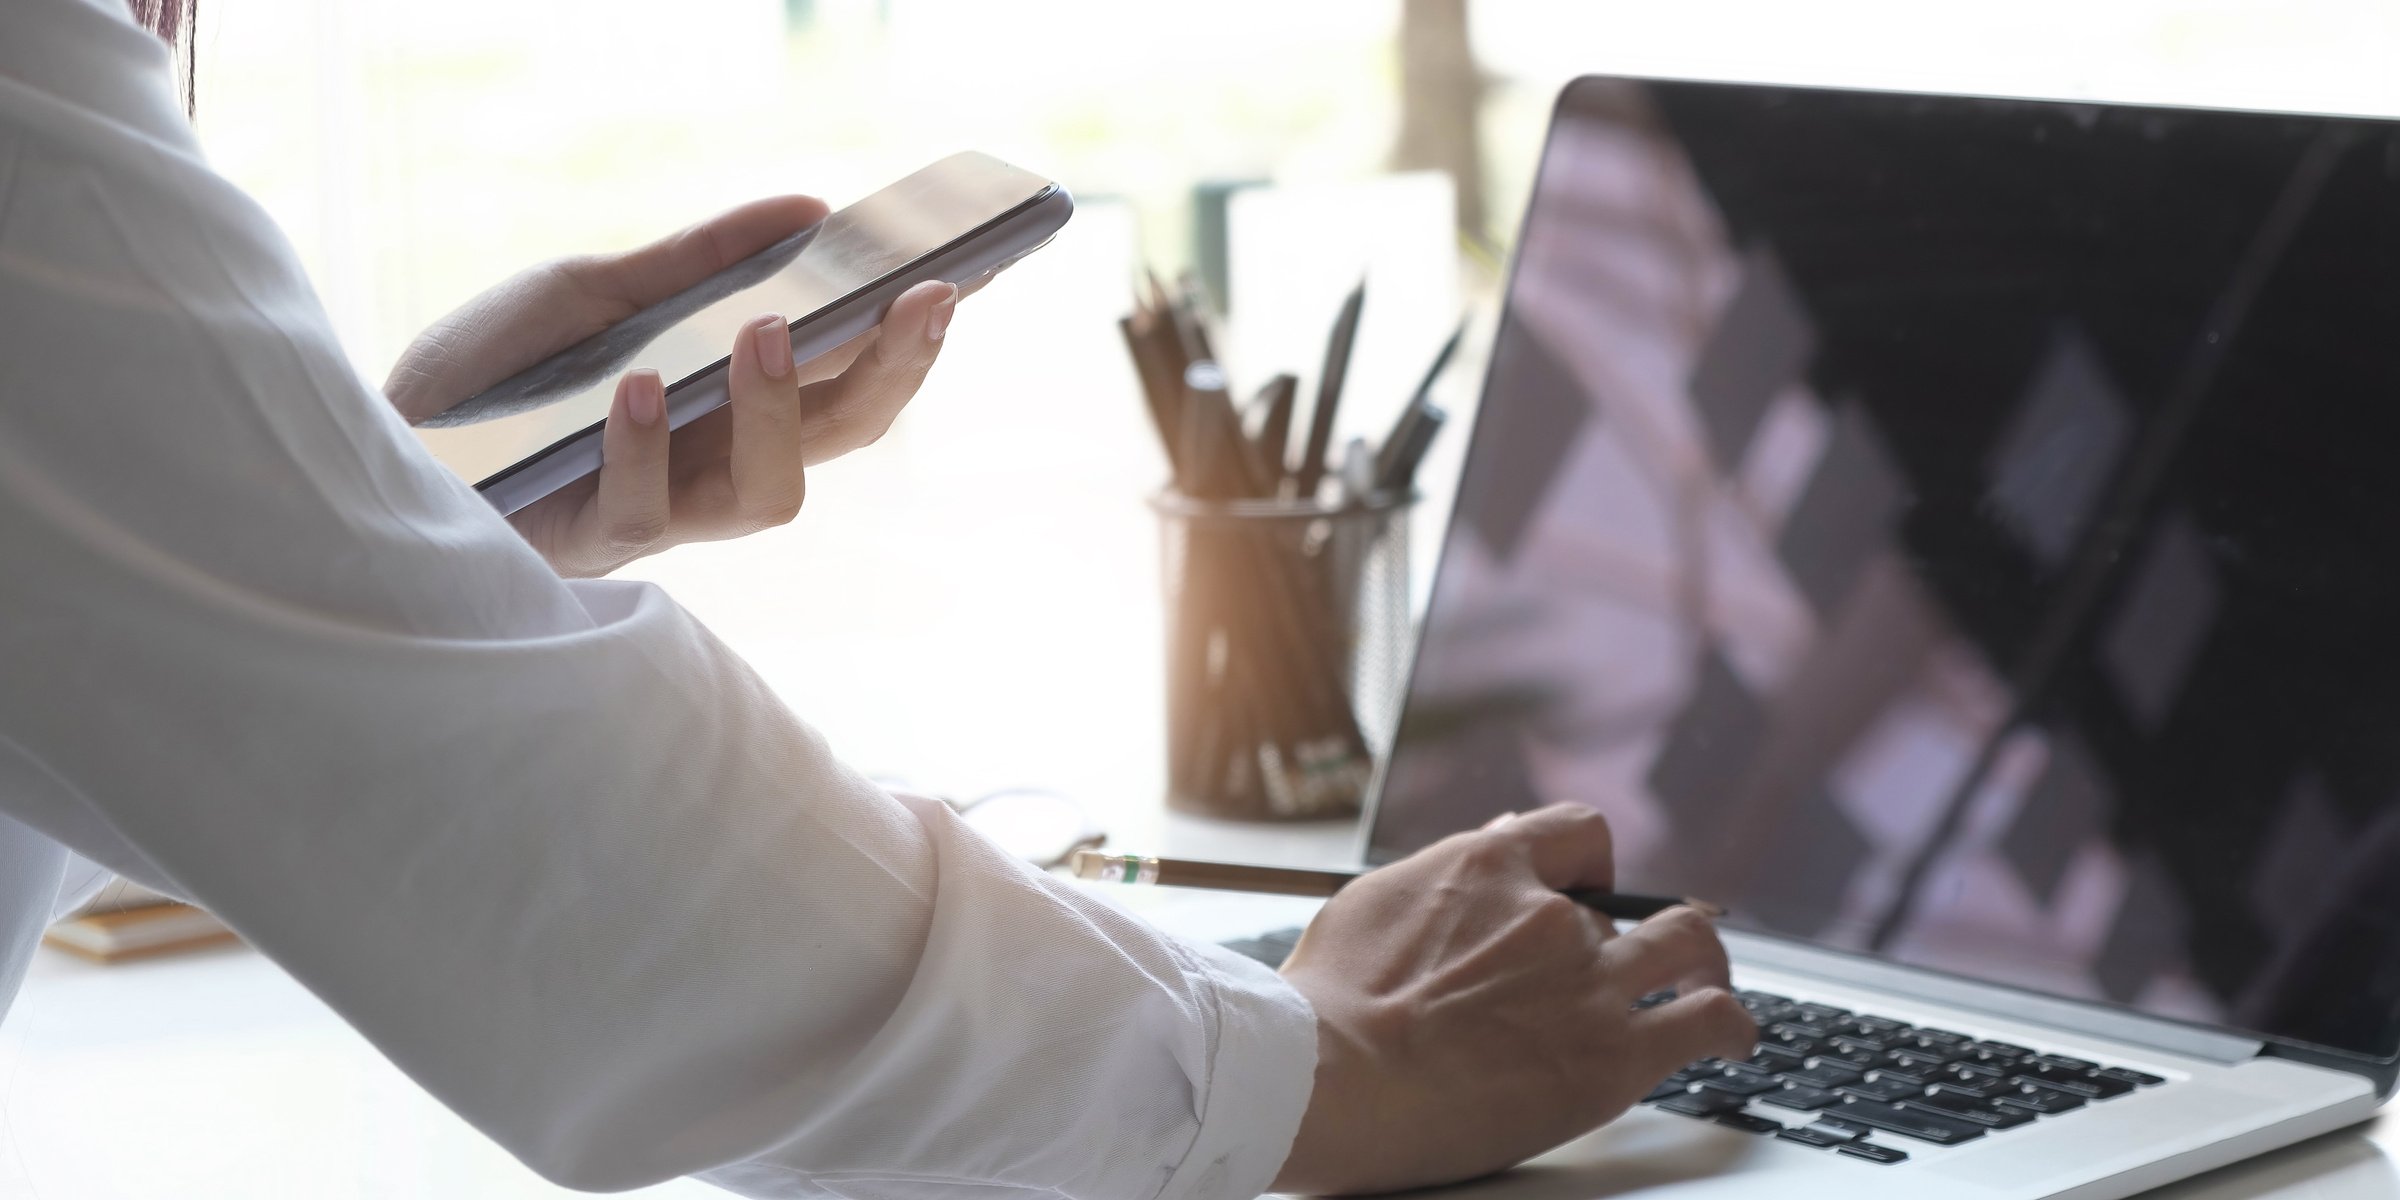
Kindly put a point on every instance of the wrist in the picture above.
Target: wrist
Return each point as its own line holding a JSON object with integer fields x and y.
{"x": 1324, "y": 1157}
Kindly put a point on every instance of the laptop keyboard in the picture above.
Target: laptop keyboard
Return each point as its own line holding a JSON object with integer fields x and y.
{"x": 1857, "y": 1084}
{"x": 1270, "y": 948}
{"x": 1869, "y": 1086}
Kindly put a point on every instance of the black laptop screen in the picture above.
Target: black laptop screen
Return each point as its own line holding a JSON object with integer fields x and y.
{"x": 1962, "y": 530}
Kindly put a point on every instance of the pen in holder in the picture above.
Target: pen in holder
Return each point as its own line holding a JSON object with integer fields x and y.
{"x": 1287, "y": 636}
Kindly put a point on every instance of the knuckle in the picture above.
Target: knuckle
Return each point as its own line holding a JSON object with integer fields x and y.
{"x": 1718, "y": 1004}
{"x": 1587, "y": 824}
{"x": 767, "y": 512}
{"x": 1726, "y": 1015}
{"x": 633, "y": 535}
{"x": 1579, "y": 815}
{"x": 575, "y": 271}
{"x": 1684, "y": 927}
{"x": 1484, "y": 854}
{"x": 1555, "y": 914}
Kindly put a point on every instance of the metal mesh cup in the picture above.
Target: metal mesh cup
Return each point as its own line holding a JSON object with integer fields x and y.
{"x": 1287, "y": 632}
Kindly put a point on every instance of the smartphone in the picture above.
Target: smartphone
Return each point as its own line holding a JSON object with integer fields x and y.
{"x": 963, "y": 219}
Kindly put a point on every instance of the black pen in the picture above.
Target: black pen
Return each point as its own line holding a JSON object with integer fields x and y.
{"x": 1275, "y": 431}
{"x": 1329, "y": 392}
{"x": 1396, "y": 470}
{"x": 1441, "y": 360}
{"x": 1395, "y": 448}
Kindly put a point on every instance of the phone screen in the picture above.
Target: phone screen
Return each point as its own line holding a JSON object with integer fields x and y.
{"x": 691, "y": 332}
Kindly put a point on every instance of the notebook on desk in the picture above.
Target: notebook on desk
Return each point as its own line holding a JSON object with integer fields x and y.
{"x": 1962, "y": 536}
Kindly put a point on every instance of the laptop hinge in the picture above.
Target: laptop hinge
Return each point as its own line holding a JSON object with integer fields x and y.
{"x": 2213, "y": 1045}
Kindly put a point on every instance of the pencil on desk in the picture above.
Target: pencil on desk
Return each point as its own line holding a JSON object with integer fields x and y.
{"x": 1295, "y": 881}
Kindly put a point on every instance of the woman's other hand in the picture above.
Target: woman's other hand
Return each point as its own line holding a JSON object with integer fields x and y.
{"x": 735, "y": 471}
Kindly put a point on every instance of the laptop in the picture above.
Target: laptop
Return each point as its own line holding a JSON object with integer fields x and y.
{"x": 1962, "y": 537}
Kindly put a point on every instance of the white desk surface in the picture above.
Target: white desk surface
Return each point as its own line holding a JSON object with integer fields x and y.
{"x": 214, "y": 1075}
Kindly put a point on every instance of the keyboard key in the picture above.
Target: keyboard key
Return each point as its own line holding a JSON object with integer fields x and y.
{"x": 1758, "y": 1000}
{"x": 1973, "y": 1087}
{"x": 1908, "y": 1122}
{"x": 1823, "y": 1075}
{"x": 1833, "y": 1123}
{"x": 1996, "y": 1051}
{"x": 2083, "y": 1083}
{"x": 1856, "y": 1059}
{"x": 1933, "y": 1056}
{"x": 1813, "y": 1136}
{"x": 1931, "y": 1059}
{"x": 1940, "y": 1037}
{"x": 2034, "y": 1098}
{"x": 1701, "y": 1103}
{"x": 1860, "y": 1041}
{"x": 1917, "y": 1077}
{"x": 1821, "y": 1013}
{"x": 1803, "y": 1029}
{"x": 1883, "y": 1027}
{"x": 2129, "y": 1075}
{"x": 1882, "y": 1089}
{"x": 1789, "y": 1041}
{"x": 1669, "y": 1088}
{"x": 2061, "y": 1060}
{"x": 1774, "y": 1057}
{"x": 1749, "y": 1124}
{"x": 1801, "y": 1098}
{"x": 1873, "y": 1153}
{"x": 1774, "y": 1060}
{"x": 1969, "y": 1109}
{"x": 1968, "y": 1072}
{"x": 1740, "y": 1083}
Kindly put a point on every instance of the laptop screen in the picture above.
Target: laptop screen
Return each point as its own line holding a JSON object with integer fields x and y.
{"x": 1966, "y": 531}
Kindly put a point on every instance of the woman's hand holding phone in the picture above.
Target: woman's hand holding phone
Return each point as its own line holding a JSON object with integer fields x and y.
{"x": 732, "y": 472}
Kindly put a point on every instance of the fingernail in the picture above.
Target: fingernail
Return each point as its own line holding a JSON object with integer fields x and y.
{"x": 645, "y": 397}
{"x": 937, "y": 322}
{"x": 774, "y": 341}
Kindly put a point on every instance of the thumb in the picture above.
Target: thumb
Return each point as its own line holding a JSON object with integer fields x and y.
{"x": 651, "y": 273}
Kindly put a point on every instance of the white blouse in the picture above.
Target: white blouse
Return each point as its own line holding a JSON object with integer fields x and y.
{"x": 549, "y": 845}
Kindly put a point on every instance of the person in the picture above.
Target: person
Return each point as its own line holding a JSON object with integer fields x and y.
{"x": 552, "y": 848}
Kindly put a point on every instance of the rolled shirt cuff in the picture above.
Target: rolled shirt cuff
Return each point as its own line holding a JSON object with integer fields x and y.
{"x": 1261, "y": 1071}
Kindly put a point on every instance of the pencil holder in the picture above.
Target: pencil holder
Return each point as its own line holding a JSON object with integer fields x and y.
{"x": 1287, "y": 641}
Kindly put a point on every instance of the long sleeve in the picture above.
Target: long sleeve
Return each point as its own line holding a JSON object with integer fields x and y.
{"x": 550, "y": 846}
